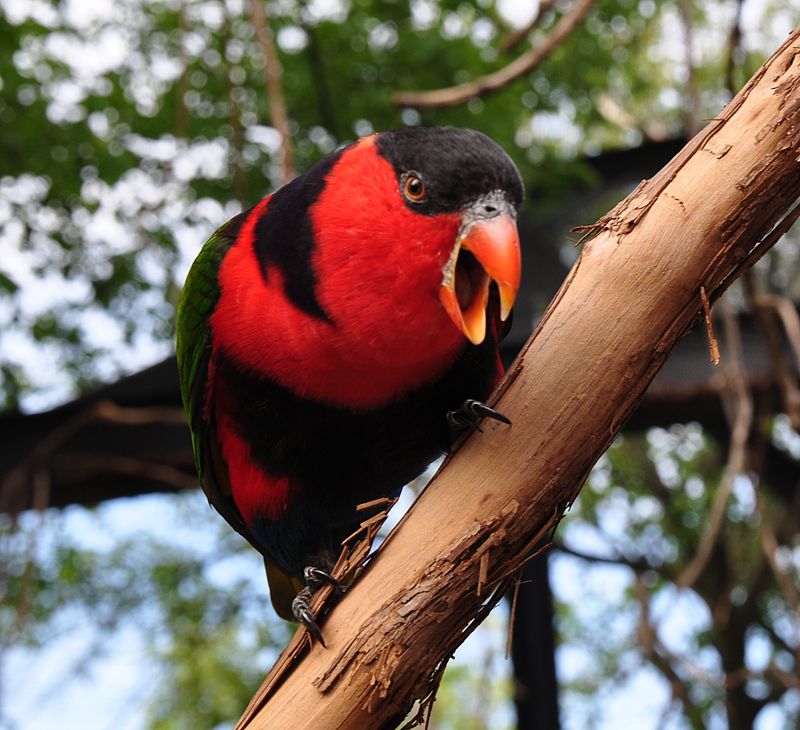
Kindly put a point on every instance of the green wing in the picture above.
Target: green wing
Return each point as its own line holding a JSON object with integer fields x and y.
{"x": 195, "y": 307}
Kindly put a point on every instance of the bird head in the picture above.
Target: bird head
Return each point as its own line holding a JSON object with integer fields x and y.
{"x": 425, "y": 220}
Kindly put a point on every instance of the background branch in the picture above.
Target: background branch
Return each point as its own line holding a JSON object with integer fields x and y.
{"x": 520, "y": 34}
{"x": 14, "y": 486}
{"x": 741, "y": 421}
{"x": 658, "y": 655}
{"x": 454, "y": 95}
{"x": 273, "y": 75}
{"x": 734, "y": 48}
{"x": 693, "y": 124}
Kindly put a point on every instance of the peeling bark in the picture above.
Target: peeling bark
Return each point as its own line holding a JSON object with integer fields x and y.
{"x": 697, "y": 225}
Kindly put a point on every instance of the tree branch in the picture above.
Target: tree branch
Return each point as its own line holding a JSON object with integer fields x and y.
{"x": 693, "y": 124}
{"x": 741, "y": 421}
{"x": 784, "y": 578}
{"x": 520, "y": 34}
{"x": 12, "y": 488}
{"x": 789, "y": 319}
{"x": 770, "y": 546}
{"x": 483, "y": 85}
{"x": 637, "y": 566}
{"x": 662, "y": 659}
{"x": 631, "y": 295}
{"x": 273, "y": 74}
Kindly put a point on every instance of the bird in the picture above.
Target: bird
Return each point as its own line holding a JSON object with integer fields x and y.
{"x": 334, "y": 338}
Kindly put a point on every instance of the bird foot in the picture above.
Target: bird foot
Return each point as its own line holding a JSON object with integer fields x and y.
{"x": 304, "y": 615}
{"x": 315, "y": 578}
{"x": 468, "y": 415}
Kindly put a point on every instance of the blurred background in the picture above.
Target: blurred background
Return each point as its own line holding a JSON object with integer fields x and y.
{"x": 131, "y": 129}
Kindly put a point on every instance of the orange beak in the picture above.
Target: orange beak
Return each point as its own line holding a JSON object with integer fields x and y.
{"x": 486, "y": 250}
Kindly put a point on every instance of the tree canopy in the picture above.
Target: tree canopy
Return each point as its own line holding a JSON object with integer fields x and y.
{"x": 133, "y": 128}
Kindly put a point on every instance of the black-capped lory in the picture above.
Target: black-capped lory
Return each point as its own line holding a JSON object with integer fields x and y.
{"x": 330, "y": 337}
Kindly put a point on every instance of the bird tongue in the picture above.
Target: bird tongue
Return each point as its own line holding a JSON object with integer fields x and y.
{"x": 468, "y": 274}
{"x": 463, "y": 289}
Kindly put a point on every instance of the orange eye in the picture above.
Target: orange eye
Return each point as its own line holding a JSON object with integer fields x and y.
{"x": 414, "y": 188}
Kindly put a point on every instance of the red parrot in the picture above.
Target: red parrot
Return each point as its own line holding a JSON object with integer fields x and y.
{"x": 330, "y": 337}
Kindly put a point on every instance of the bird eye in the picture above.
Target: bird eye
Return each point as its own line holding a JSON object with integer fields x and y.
{"x": 414, "y": 188}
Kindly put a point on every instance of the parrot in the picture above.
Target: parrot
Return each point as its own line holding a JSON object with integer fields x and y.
{"x": 333, "y": 338}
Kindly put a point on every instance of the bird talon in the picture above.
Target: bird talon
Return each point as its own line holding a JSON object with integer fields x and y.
{"x": 461, "y": 421}
{"x": 315, "y": 578}
{"x": 304, "y": 615}
{"x": 468, "y": 415}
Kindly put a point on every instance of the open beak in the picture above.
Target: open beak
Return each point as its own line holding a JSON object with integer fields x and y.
{"x": 486, "y": 250}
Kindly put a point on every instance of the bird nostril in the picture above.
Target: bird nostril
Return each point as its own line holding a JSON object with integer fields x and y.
{"x": 490, "y": 209}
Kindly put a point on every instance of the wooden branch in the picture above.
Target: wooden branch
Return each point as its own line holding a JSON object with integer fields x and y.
{"x": 693, "y": 124}
{"x": 734, "y": 47}
{"x": 273, "y": 75}
{"x": 520, "y": 34}
{"x": 613, "y": 112}
{"x": 13, "y": 486}
{"x": 483, "y": 85}
{"x": 741, "y": 422}
{"x": 638, "y": 566}
{"x": 660, "y": 657}
{"x": 786, "y": 369}
{"x": 783, "y": 576}
{"x": 703, "y": 220}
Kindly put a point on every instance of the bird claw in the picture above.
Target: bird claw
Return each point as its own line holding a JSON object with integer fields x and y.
{"x": 314, "y": 578}
{"x": 304, "y": 615}
{"x": 469, "y": 414}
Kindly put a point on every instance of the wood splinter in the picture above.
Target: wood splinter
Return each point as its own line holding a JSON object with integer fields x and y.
{"x": 483, "y": 573}
{"x": 713, "y": 345}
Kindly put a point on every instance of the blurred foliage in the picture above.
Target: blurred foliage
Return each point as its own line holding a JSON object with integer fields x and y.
{"x": 132, "y": 128}
{"x": 645, "y": 507}
{"x": 474, "y": 695}
{"x": 196, "y": 599}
